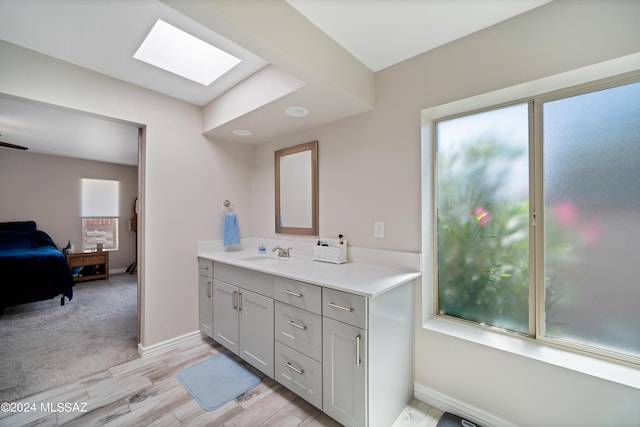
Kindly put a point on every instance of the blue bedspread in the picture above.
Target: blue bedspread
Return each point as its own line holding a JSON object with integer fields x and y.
{"x": 31, "y": 266}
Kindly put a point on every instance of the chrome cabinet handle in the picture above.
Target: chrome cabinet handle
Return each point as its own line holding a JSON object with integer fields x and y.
{"x": 295, "y": 294}
{"x": 293, "y": 368}
{"x": 358, "y": 361}
{"x": 235, "y": 300}
{"x": 349, "y": 309}
{"x": 295, "y": 325}
{"x": 209, "y": 288}
{"x": 239, "y": 301}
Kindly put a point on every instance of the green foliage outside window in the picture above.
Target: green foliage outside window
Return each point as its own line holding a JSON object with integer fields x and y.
{"x": 586, "y": 221}
{"x": 483, "y": 238}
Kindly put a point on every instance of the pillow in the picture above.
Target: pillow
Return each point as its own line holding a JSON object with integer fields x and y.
{"x": 24, "y": 226}
{"x": 40, "y": 238}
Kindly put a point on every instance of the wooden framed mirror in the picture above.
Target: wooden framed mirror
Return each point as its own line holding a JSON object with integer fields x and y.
{"x": 296, "y": 173}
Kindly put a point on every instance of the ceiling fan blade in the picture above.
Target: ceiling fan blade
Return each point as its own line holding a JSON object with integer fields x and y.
{"x": 17, "y": 147}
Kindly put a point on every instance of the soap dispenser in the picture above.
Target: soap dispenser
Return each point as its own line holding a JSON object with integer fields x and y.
{"x": 262, "y": 248}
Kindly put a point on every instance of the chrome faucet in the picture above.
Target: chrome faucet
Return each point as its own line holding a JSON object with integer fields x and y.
{"x": 283, "y": 252}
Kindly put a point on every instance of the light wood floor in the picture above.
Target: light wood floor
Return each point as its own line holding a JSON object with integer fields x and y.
{"x": 145, "y": 392}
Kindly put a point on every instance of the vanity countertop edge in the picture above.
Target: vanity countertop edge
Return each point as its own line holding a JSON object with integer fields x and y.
{"x": 354, "y": 277}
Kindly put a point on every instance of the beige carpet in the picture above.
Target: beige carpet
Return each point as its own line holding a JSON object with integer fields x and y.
{"x": 43, "y": 344}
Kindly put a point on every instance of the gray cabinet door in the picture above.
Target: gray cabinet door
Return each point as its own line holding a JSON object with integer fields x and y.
{"x": 205, "y": 307}
{"x": 225, "y": 315}
{"x": 344, "y": 370}
{"x": 256, "y": 330}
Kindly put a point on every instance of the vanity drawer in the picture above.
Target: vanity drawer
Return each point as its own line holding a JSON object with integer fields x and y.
{"x": 300, "y": 294}
{"x": 205, "y": 267}
{"x": 299, "y": 373}
{"x": 299, "y": 329}
{"x": 345, "y": 307}
{"x": 260, "y": 283}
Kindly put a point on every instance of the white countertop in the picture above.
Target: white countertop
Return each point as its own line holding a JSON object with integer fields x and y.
{"x": 355, "y": 277}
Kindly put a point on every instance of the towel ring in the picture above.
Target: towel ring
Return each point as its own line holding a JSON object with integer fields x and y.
{"x": 227, "y": 207}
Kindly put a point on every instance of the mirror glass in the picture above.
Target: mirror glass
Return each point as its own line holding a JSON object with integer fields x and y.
{"x": 296, "y": 173}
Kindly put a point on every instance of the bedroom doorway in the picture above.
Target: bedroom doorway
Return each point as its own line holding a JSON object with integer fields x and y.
{"x": 46, "y": 175}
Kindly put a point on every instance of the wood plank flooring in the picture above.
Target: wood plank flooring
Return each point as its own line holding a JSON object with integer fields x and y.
{"x": 145, "y": 392}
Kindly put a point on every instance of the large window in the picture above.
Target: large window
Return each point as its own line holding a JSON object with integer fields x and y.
{"x": 100, "y": 209}
{"x": 538, "y": 218}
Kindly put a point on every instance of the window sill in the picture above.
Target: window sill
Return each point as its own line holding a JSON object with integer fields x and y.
{"x": 610, "y": 370}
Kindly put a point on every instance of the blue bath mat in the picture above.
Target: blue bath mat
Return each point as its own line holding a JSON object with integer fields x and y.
{"x": 216, "y": 381}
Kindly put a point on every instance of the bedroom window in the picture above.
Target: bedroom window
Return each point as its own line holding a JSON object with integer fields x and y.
{"x": 100, "y": 210}
{"x": 536, "y": 220}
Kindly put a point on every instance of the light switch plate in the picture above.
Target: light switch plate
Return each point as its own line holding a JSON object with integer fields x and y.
{"x": 378, "y": 229}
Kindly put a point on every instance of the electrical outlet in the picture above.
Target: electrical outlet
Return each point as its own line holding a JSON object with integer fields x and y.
{"x": 378, "y": 229}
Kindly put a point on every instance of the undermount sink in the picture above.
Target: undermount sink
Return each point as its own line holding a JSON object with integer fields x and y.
{"x": 265, "y": 260}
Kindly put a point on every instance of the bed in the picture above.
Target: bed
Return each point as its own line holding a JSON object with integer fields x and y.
{"x": 32, "y": 268}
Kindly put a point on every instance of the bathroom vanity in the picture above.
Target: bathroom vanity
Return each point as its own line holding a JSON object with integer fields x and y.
{"x": 339, "y": 336}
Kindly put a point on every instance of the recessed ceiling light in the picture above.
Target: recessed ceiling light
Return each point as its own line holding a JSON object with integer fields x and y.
{"x": 180, "y": 53}
{"x": 242, "y": 132}
{"x": 296, "y": 111}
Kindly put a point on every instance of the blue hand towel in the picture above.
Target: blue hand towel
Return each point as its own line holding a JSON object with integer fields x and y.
{"x": 231, "y": 230}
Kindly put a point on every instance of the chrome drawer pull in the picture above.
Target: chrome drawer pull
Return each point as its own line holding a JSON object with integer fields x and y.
{"x": 358, "y": 360}
{"x": 290, "y": 366}
{"x": 295, "y": 325}
{"x": 349, "y": 309}
{"x": 295, "y": 294}
{"x": 234, "y": 304}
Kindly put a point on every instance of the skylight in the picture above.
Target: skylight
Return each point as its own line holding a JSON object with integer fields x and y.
{"x": 173, "y": 50}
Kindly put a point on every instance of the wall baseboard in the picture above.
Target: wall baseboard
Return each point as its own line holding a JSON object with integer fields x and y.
{"x": 449, "y": 404}
{"x": 192, "y": 338}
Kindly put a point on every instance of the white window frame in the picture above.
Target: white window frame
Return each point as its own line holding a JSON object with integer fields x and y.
{"x": 538, "y": 349}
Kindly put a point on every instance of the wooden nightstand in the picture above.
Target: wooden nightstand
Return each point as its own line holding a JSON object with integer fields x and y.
{"x": 93, "y": 265}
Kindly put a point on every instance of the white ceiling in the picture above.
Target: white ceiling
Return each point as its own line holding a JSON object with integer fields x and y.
{"x": 56, "y": 131}
{"x": 382, "y": 33}
{"x": 102, "y": 35}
